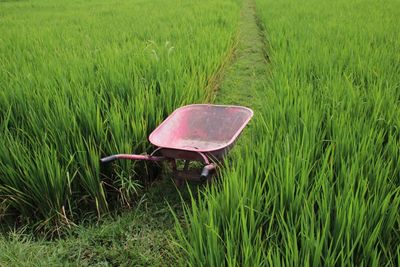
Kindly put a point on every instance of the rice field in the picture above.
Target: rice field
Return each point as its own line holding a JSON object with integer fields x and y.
{"x": 315, "y": 179}
{"x": 80, "y": 80}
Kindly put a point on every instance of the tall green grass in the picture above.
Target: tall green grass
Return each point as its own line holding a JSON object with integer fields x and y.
{"x": 317, "y": 180}
{"x": 80, "y": 80}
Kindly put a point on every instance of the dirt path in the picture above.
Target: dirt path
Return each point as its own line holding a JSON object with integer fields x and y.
{"x": 245, "y": 76}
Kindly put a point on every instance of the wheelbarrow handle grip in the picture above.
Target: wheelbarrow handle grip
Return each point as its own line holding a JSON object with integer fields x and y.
{"x": 109, "y": 159}
{"x": 131, "y": 157}
{"x": 206, "y": 171}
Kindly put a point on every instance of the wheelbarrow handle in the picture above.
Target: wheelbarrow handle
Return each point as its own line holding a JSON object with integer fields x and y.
{"x": 207, "y": 170}
{"x": 131, "y": 157}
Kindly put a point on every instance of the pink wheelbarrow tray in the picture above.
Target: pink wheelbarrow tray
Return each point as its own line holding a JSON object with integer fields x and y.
{"x": 199, "y": 132}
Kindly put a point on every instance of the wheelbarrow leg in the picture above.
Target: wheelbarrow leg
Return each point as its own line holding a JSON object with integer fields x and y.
{"x": 207, "y": 170}
{"x": 181, "y": 176}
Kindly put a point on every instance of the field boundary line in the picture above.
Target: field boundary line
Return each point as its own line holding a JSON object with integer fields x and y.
{"x": 246, "y": 75}
{"x": 216, "y": 79}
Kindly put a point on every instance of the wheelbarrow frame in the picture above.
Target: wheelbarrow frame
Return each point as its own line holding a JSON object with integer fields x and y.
{"x": 210, "y": 158}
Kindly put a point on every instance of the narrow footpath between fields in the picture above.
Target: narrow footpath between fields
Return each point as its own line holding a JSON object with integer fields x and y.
{"x": 244, "y": 78}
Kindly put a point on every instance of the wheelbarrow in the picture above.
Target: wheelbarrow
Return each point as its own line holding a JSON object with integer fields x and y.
{"x": 200, "y": 132}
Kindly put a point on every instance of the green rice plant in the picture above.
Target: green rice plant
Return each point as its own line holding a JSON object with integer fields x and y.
{"x": 81, "y": 80}
{"x": 316, "y": 183}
